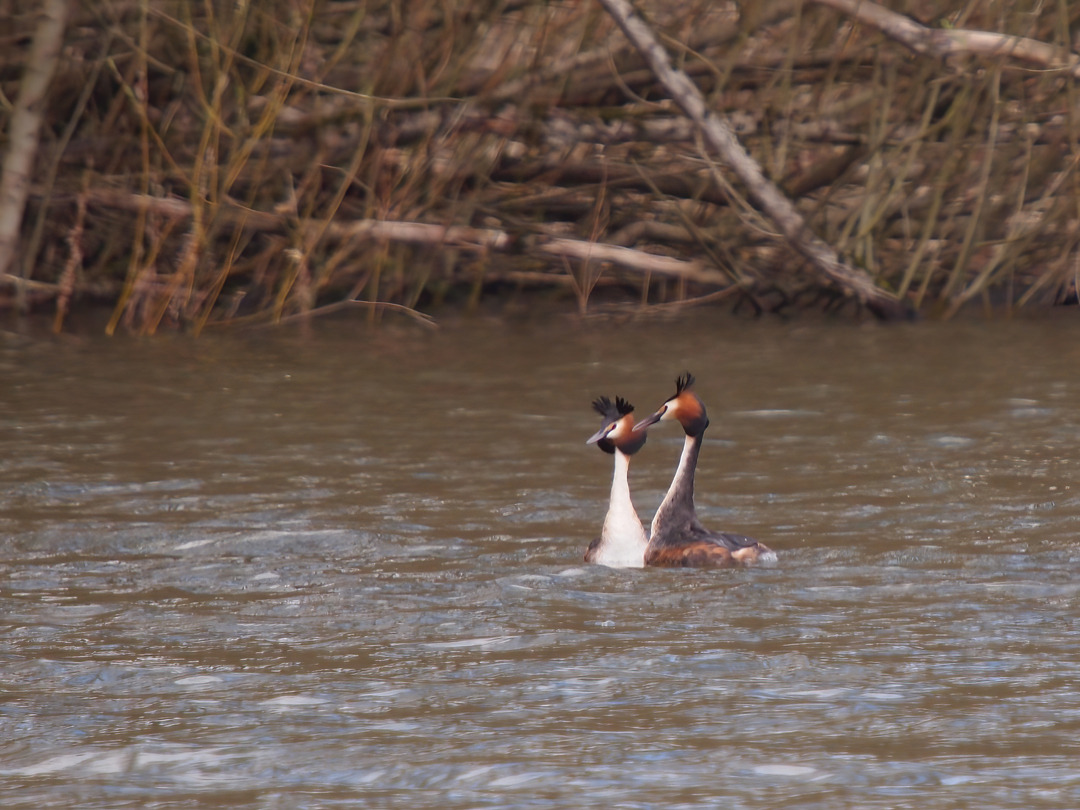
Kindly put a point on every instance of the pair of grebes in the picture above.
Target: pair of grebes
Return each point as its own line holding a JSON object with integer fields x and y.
{"x": 677, "y": 538}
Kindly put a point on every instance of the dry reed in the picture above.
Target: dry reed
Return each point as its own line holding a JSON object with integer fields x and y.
{"x": 222, "y": 163}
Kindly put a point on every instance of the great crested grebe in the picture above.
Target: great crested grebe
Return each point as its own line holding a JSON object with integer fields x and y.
{"x": 677, "y": 537}
{"x": 622, "y": 541}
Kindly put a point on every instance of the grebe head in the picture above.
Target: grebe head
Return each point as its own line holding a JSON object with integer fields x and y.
{"x": 617, "y": 429}
{"x": 684, "y": 407}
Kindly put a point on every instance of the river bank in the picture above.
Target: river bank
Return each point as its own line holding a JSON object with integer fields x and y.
{"x": 211, "y": 165}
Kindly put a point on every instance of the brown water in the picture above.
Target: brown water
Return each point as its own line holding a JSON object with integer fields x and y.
{"x": 345, "y": 571}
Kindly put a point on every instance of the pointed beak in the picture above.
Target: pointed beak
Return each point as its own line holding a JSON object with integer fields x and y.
{"x": 651, "y": 420}
{"x": 601, "y": 433}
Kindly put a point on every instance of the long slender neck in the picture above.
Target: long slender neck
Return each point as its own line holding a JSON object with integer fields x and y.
{"x": 676, "y": 512}
{"x": 620, "y": 485}
{"x": 622, "y": 540}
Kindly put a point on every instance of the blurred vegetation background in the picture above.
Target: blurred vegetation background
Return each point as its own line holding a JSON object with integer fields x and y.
{"x": 223, "y": 162}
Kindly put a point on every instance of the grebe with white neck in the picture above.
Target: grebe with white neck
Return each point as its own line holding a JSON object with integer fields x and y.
{"x": 622, "y": 540}
{"x": 677, "y": 538}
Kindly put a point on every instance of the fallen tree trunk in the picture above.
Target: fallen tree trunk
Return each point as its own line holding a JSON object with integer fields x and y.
{"x": 25, "y": 124}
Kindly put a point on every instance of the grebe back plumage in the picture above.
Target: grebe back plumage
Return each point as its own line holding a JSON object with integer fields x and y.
{"x": 622, "y": 540}
{"x": 677, "y": 537}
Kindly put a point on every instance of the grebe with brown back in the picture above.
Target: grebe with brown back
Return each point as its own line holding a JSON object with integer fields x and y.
{"x": 677, "y": 538}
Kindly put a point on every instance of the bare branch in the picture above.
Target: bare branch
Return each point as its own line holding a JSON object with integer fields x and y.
{"x": 478, "y": 239}
{"x": 943, "y": 42}
{"x": 720, "y": 138}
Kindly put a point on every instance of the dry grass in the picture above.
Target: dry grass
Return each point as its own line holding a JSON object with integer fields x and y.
{"x": 217, "y": 163}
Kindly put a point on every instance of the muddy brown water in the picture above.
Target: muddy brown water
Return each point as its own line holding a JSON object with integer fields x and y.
{"x": 344, "y": 570}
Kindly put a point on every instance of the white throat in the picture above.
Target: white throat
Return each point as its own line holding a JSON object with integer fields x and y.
{"x": 622, "y": 540}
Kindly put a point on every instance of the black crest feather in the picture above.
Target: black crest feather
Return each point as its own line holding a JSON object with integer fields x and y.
{"x": 603, "y": 406}
{"x": 612, "y": 410}
{"x": 683, "y": 383}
